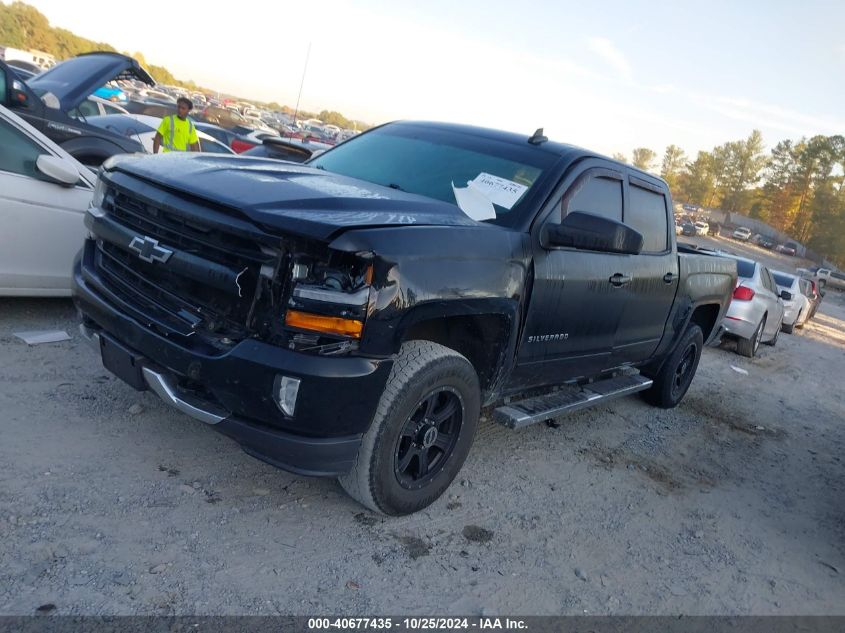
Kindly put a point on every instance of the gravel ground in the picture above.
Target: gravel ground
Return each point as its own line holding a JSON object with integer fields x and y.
{"x": 112, "y": 503}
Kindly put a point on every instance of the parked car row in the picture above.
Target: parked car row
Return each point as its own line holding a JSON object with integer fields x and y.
{"x": 64, "y": 102}
{"x": 744, "y": 234}
{"x": 766, "y": 302}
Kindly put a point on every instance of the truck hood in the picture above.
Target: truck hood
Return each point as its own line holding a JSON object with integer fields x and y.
{"x": 72, "y": 80}
{"x": 290, "y": 197}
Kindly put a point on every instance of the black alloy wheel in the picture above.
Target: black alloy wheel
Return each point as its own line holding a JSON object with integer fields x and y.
{"x": 684, "y": 371}
{"x": 428, "y": 438}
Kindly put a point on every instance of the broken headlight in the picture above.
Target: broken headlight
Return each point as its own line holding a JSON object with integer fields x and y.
{"x": 329, "y": 299}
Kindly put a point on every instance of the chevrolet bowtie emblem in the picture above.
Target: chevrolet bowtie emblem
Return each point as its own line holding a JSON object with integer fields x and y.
{"x": 148, "y": 249}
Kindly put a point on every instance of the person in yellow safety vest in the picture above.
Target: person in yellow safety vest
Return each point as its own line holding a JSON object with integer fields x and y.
{"x": 177, "y": 133}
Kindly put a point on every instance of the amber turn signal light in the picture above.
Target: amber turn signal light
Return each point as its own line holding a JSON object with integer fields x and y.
{"x": 326, "y": 324}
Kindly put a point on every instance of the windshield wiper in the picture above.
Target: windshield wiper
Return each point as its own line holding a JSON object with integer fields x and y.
{"x": 393, "y": 185}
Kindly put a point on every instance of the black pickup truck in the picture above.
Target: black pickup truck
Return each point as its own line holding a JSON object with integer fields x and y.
{"x": 349, "y": 317}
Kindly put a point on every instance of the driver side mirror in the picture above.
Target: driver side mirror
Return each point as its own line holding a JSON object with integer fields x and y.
{"x": 786, "y": 295}
{"x": 593, "y": 233}
{"x": 57, "y": 170}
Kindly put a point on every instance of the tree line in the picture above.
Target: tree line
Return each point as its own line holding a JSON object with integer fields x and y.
{"x": 25, "y": 27}
{"x": 798, "y": 187}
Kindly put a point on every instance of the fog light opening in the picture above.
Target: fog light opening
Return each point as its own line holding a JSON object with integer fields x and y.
{"x": 286, "y": 389}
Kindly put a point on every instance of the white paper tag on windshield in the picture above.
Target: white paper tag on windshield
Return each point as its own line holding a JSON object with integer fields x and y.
{"x": 474, "y": 203}
{"x": 497, "y": 190}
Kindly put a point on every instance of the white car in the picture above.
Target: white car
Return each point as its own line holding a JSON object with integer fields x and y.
{"x": 96, "y": 106}
{"x": 742, "y": 234}
{"x": 702, "y": 228}
{"x": 44, "y": 193}
{"x": 796, "y": 311}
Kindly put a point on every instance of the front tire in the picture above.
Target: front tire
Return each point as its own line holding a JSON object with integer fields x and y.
{"x": 421, "y": 432}
{"x": 789, "y": 329}
{"x": 675, "y": 376}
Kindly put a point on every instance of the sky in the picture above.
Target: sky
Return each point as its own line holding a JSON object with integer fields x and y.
{"x": 609, "y": 75}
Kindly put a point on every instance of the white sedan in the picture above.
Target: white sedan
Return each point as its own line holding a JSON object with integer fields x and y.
{"x": 44, "y": 193}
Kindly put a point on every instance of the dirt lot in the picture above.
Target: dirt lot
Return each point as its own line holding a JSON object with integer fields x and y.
{"x": 111, "y": 503}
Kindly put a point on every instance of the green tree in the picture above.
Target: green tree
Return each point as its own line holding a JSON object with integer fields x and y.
{"x": 35, "y": 27}
{"x": 620, "y": 157}
{"x": 744, "y": 161}
{"x": 674, "y": 162}
{"x": 334, "y": 118}
{"x": 778, "y": 198}
{"x": 644, "y": 158}
{"x": 11, "y": 31}
{"x": 698, "y": 182}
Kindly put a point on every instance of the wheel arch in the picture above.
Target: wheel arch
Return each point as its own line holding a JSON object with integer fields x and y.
{"x": 91, "y": 147}
{"x": 705, "y": 316}
{"x": 482, "y": 336}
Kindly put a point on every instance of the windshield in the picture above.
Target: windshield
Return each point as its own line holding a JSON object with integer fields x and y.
{"x": 428, "y": 161}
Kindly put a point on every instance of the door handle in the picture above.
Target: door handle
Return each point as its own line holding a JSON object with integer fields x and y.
{"x": 620, "y": 280}
{"x": 669, "y": 277}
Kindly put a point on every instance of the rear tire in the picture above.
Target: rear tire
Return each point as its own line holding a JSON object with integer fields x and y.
{"x": 774, "y": 340}
{"x": 403, "y": 465}
{"x": 748, "y": 346}
{"x": 675, "y": 376}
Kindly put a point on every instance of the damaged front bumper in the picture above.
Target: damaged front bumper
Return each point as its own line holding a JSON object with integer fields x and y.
{"x": 233, "y": 391}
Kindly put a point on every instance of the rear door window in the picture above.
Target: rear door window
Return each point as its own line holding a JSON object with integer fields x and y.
{"x": 768, "y": 282}
{"x": 806, "y": 289}
{"x": 646, "y": 213}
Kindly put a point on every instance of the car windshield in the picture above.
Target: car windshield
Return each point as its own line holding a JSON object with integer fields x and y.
{"x": 428, "y": 161}
{"x": 783, "y": 280}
